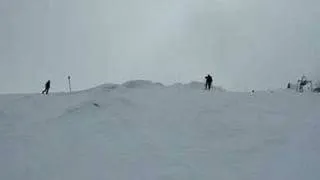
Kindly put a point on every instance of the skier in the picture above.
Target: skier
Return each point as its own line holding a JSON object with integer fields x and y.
{"x": 208, "y": 82}
{"x": 47, "y": 87}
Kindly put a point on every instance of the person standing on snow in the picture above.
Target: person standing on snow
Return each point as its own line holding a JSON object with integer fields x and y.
{"x": 47, "y": 87}
{"x": 208, "y": 82}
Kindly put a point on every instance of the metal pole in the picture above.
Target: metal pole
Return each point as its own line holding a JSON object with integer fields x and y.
{"x": 69, "y": 79}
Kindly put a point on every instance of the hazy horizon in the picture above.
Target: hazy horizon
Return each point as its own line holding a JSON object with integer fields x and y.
{"x": 245, "y": 44}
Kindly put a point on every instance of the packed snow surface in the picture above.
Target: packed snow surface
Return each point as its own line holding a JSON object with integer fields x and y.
{"x": 146, "y": 131}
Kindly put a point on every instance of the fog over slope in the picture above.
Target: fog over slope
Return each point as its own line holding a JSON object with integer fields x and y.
{"x": 245, "y": 43}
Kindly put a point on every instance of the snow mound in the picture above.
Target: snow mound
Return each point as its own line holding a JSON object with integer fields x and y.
{"x": 103, "y": 88}
{"x": 108, "y": 87}
{"x": 141, "y": 84}
{"x": 145, "y": 84}
{"x": 197, "y": 85}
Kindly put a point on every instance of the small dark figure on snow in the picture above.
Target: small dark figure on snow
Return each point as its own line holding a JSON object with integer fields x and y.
{"x": 208, "y": 82}
{"x": 47, "y": 87}
{"x": 289, "y": 85}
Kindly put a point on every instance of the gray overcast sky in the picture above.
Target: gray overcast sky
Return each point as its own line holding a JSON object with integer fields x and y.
{"x": 245, "y": 43}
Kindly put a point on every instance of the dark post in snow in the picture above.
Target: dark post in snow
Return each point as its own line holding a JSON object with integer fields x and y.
{"x": 69, "y": 79}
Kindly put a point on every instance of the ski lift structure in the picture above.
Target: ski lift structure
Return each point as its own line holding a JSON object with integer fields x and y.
{"x": 304, "y": 84}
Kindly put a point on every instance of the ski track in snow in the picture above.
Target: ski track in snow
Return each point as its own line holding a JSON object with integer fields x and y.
{"x": 142, "y": 130}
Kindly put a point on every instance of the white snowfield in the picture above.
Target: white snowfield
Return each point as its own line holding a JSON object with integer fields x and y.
{"x": 146, "y": 131}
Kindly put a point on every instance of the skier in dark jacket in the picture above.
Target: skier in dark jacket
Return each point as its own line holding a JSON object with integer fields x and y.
{"x": 47, "y": 87}
{"x": 208, "y": 82}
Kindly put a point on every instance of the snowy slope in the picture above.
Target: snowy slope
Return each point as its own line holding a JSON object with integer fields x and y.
{"x": 143, "y": 131}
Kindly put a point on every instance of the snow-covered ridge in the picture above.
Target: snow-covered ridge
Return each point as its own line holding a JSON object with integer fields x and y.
{"x": 142, "y": 84}
{"x": 144, "y": 130}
